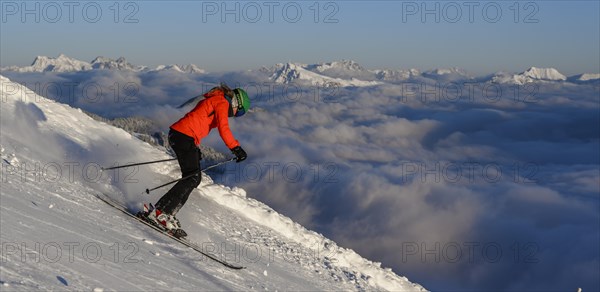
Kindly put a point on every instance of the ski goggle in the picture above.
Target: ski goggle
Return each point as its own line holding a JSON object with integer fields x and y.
{"x": 240, "y": 109}
{"x": 240, "y": 112}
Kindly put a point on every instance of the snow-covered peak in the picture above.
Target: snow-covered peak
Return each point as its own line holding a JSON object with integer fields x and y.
{"x": 344, "y": 69}
{"x": 294, "y": 72}
{"x": 532, "y": 74}
{"x": 191, "y": 68}
{"x": 286, "y": 73}
{"x": 543, "y": 74}
{"x": 395, "y": 75}
{"x": 343, "y": 65}
{"x": 112, "y": 64}
{"x": 168, "y": 67}
{"x": 447, "y": 74}
{"x": 446, "y": 71}
{"x": 586, "y": 77}
{"x": 61, "y": 63}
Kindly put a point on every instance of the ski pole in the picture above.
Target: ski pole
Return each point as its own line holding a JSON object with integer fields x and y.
{"x": 188, "y": 176}
{"x": 220, "y": 163}
{"x": 135, "y": 164}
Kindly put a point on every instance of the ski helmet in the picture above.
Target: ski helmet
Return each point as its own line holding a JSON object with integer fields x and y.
{"x": 240, "y": 101}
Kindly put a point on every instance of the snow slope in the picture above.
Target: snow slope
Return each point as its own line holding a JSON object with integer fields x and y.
{"x": 57, "y": 236}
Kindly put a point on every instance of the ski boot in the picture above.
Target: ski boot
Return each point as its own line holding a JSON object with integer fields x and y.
{"x": 167, "y": 222}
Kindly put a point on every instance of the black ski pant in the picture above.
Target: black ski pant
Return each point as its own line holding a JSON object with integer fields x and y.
{"x": 188, "y": 156}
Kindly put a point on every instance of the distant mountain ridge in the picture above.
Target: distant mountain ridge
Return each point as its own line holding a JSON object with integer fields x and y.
{"x": 530, "y": 75}
{"x": 294, "y": 72}
{"x": 349, "y": 73}
{"x": 62, "y": 63}
{"x": 111, "y": 64}
{"x": 585, "y": 78}
{"x": 343, "y": 73}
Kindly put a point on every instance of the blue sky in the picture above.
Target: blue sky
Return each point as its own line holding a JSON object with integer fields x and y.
{"x": 481, "y": 37}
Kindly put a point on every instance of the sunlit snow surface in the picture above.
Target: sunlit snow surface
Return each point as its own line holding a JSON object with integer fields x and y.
{"x": 57, "y": 236}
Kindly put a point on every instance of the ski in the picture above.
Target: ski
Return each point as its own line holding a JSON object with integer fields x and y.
{"x": 119, "y": 206}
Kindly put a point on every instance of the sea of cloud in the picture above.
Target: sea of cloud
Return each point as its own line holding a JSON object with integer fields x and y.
{"x": 459, "y": 185}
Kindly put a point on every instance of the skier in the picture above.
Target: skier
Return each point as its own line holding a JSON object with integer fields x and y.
{"x": 219, "y": 104}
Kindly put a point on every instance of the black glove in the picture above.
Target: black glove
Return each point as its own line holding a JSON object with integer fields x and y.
{"x": 239, "y": 153}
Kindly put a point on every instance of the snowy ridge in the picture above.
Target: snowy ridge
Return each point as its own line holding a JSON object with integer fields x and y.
{"x": 586, "y": 77}
{"x": 446, "y": 71}
{"x": 350, "y": 73}
{"x": 62, "y": 63}
{"x": 63, "y": 210}
{"x": 111, "y": 64}
{"x": 343, "y": 73}
{"x": 340, "y": 65}
{"x": 395, "y": 75}
{"x": 544, "y": 74}
{"x": 447, "y": 74}
{"x": 530, "y": 75}
{"x": 292, "y": 72}
{"x": 191, "y": 68}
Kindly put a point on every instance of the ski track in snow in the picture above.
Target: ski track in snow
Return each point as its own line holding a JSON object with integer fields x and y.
{"x": 57, "y": 236}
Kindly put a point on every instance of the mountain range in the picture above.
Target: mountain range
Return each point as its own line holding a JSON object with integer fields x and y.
{"x": 62, "y": 63}
{"x": 344, "y": 73}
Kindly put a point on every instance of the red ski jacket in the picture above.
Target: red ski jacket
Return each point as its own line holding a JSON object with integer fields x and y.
{"x": 211, "y": 112}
